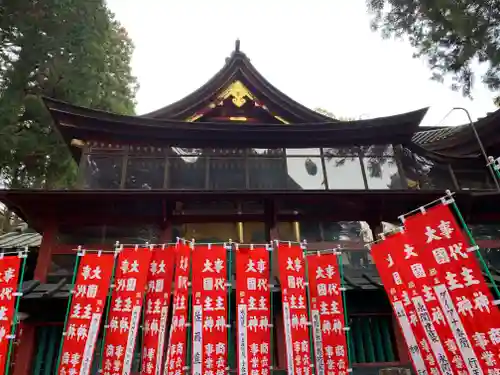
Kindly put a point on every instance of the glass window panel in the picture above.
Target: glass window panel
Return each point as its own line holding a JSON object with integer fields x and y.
{"x": 344, "y": 230}
{"x": 267, "y": 173}
{"x": 378, "y": 150}
{"x": 227, "y": 173}
{"x": 187, "y": 174}
{"x": 344, "y": 173}
{"x": 341, "y": 151}
{"x": 382, "y": 173}
{"x": 210, "y": 232}
{"x": 225, "y": 152}
{"x": 265, "y": 152}
{"x": 286, "y": 232}
{"x": 189, "y": 153}
{"x": 138, "y": 150}
{"x": 145, "y": 173}
{"x": 303, "y": 151}
{"x": 305, "y": 173}
{"x": 254, "y": 232}
{"x": 357, "y": 259}
{"x": 311, "y": 231}
{"x": 103, "y": 171}
{"x": 474, "y": 180}
{"x": 422, "y": 173}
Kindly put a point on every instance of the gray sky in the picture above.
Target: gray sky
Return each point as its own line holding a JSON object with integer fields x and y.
{"x": 321, "y": 53}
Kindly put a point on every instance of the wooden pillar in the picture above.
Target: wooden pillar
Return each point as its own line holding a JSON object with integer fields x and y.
{"x": 26, "y": 341}
{"x": 376, "y": 228}
{"x": 166, "y": 232}
{"x": 271, "y": 223}
{"x": 270, "y": 213}
{"x": 25, "y": 349}
{"x": 45, "y": 251}
{"x": 279, "y": 330}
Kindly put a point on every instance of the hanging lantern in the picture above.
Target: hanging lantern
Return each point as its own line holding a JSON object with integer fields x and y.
{"x": 311, "y": 167}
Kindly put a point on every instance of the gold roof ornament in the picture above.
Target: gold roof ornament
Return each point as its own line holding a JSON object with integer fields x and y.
{"x": 239, "y": 93}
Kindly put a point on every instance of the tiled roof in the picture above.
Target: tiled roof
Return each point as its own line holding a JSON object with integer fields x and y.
{"x": 18, "y": 239}
{"x": 429, "y": 136}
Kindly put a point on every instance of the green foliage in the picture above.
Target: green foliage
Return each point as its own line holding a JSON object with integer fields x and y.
{"x": 450, "y": 34}
{"x": 71, "y": 50}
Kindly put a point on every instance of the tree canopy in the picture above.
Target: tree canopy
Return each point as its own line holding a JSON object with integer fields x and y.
{"x": 451, "y": 34}
{"x": 71, "y": 50}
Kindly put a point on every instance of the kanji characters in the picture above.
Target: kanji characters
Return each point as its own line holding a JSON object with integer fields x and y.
{"x": 409, "y": 251}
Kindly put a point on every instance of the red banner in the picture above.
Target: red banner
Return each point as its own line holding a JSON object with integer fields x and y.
{"x": 160, "y": 276}
{"x": 125, "y": 312}
{"x": 327, "y": 314}
{"x": 447, "y": 265}
{"x": 253, "y": 310}
{"x": 9, "y": 279}
{"x": 295, "y": 317}
{"x": 85, "y": 314}
{"x": 176, "y": 354}
{"x": 209, "y": 310}
{"x": 396, "y": 284}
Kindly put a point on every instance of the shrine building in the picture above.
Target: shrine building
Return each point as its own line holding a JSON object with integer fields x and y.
{"x": 238, "y": 159}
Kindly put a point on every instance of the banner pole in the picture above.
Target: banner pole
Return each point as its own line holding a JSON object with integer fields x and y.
{"x": 344, "y": 303}
{"x": 111, "y": 287}
{"x": 230, "y": 290}
{"x": 308, "y": 297}
{"x": 24, "y": 256}
{"x": 474, "y": 244}
{"x": 80, "y": 254}
{"x": 189, "y": 305}
{"x": 271, "y": 303}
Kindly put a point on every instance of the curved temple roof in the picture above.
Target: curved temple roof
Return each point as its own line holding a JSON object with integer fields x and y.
{"x": 83, "y": 123}
{"x": 292, "y": 125}
{"x": 178, "y": 124}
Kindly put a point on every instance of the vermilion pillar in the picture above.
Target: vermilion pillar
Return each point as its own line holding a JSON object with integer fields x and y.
{"x": 45, "y": 252}
{"x": 26, "y": 334}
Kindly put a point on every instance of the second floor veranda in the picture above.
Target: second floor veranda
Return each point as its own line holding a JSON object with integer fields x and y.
{"x": 374, "y": 167}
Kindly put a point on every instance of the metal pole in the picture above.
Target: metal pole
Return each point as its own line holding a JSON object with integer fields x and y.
{"x": 483, "y": 151}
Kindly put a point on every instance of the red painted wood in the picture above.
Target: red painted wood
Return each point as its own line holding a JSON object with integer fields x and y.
{"x": 45, "y": 251}
{"x": 25, "y": 350}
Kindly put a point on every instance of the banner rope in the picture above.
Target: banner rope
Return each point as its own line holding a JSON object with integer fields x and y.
{"x": 118, "y": 248}
{"x": 448, "y": 198}
{"x": 24, "y": 256}
{"x": 80, "y": 254}
{"x": 343, "y": 289}
{"x": 308, "y": 298}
